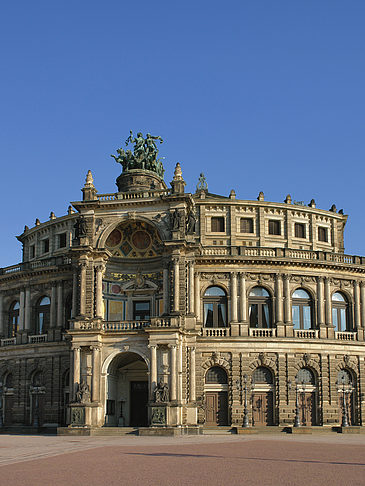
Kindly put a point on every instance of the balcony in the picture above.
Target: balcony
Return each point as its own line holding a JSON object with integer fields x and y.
{"x": 215, "y": 332}
{"x": 306, "y": 333}
{"x": 262, "y": 333}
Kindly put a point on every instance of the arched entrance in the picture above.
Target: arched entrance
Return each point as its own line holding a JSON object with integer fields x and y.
{"x": 127, "y": 392}
{"x": 216, "y": 396}
{"x": 306, "y": 392}
{"x": 262, "y": 397}
{"x": 346, "y": 390}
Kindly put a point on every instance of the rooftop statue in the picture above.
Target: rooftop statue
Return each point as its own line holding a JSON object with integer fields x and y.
{"x": 144, "y": 155}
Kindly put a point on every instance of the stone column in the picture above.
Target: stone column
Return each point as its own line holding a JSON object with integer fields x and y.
{"x": 74, "y": 294}
{"x": 176, "y": 284}
{"x": 53, "y": 309}
{"x": 191, "y": 288}
{"x": 166, "y": 307}
{"x": 76, "y": 369}
{"x": 234, "y": 316}
{"x": 192, "y": 375}
{"x": 287, "y": 308}
{"x": 21, "y": 310}
{"x": 60, "y": 314}
{"x": 362, "y": 293}
{"x": 243, "y": 298}
{"x": 96, "y": 374}
{"x": 173, "y": 380}
{"x": 83, "y": 288}
{"x": 153, "y": 348}
{"x": 279, "y": 299}
{"x": 320, "y": 302}
{"x": 357, "y": 310}
{"x": 327, "y": 290}
{"x": 27, "y": 309}
{"x": 99, "y": 291}
{"x": 2, "y": 327}
{"x": 197, "y": 296}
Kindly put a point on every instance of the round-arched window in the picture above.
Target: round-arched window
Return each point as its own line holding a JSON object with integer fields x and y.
{"x": 262, "y": 375}
{"x": 305, "y": 376}
{"x": 302, "y": 310}
{"x": 216, "y": 375}
{"x": 259, "y": 308}
{"x": 42, "y": 315}
{"x": 344, "y": 378}
{"x": 340, "y": 318}
{"x": 13, "y": 319}
{"x": 215, "y": 307}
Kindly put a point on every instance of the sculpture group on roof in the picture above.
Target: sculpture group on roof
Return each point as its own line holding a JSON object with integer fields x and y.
{"x": 144, "y": 155}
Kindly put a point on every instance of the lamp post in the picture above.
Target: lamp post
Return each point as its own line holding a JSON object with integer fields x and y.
{"x": 244, "y": 388}
{"x": 345, "y": 419}
{"x": 297, "y": 416}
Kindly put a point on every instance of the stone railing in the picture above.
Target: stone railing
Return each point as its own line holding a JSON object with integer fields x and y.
{"x": 265, "y": 333}
{"x": 345, "y": 335}
{"x": 215, "y": 331}
{"x": 119, "y": 326}
{"x": 29, "y": 266}
{"x": 306, "y": 333}
{"x": 285, "y": 253}
{"x": 38, "y": 338}
{"x": 8, "y": 341}
{"x": 117, "y": 196}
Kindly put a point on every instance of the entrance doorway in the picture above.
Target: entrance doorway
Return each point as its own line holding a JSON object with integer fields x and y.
{"x": 262, "y": 397}
{"x": 307, "y": 410}
{"x": 127, "y": 392}
{"x": 216, "y": 397}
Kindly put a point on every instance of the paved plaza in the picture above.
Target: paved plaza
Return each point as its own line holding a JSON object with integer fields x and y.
{"x": 205, "y": 460}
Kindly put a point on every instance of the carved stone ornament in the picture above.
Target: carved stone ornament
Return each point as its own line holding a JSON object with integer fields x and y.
{"x": 262, "y": 358}
{"x": 83, "y": 393}
{"x": 214, "y": 276}
{"x": 306, "y": 358}
{"x": 77, "y": 416}
{"x": 346, "y": 359}
{"x": 158, "y": 416}
{"x": 161, "y": 391}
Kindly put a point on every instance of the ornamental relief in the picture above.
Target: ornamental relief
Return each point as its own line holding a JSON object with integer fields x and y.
{"x": 260, "y": 277}
{"x": 214, "y": 276}
{"x": 301, "y": 279}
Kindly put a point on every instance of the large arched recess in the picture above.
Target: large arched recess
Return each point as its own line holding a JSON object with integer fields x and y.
{"x": 127, "y": 391}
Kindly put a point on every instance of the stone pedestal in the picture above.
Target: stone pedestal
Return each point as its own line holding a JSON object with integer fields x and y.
{"x": 159, "y": 415}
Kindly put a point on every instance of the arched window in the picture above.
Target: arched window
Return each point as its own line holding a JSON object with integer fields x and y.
{"x": 42, "y": 315}
{"x": 340, "y": 318}
{"x": 216, "y": 375}
{"x": 344, "y": 378}
{"x": 302, "y": 310}
{"x": 13, "y": 319}
{"x": 68, "y": 312}
{"x": 305, "y": 376}
{"x": 259, "y": 308}
{"x": 37, "y": 378}
{"x": 8, "y": 380}
{"x": 262, "y": 375}
{"x": 215, "y": 307}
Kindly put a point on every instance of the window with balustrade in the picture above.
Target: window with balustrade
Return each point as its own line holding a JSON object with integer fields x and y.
{"x": 215, "y": 307}
{"x": 340, "y": 312}
{"x": 260, "y": 308}
{"x": 302, "y": 310}
{"x": 13, "y": 319}
{"x": 42, "y": 315}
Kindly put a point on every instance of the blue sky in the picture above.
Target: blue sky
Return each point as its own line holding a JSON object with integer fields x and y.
{"x": 259, "y": 95}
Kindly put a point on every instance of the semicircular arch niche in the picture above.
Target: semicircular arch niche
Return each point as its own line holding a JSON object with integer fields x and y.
{"x": 134, "y": 239}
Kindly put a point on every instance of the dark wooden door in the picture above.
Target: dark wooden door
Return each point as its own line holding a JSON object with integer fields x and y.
{"x": 139, "y": 404}
{"x": 8, "y": 401}
{"x": 262, "y": 408}
{"x": 349, "y": 407}
{"x": 38, "y": 408}
{"x": 216, "y": 412}
{"x": 307, "y": 408}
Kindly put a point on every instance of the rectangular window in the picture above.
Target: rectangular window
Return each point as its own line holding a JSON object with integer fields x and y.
{"x": 246, "y": 225}
{"x": 217, "y": 224}
{"x": 62, "y": 240}
{"x": 322, "y": 234}
{"x": 299, "y": 230}
{"x": 45, "y": 245}
{"x": 32, "y": 251}
{"x": 274, "y": 227}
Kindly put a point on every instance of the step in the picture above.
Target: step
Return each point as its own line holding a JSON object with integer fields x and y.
{"x": 112, "y": 431}
{"x": 219, "y": 430}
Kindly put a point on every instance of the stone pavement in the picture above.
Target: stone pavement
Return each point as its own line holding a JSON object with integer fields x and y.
{"x": 203, "y": 460}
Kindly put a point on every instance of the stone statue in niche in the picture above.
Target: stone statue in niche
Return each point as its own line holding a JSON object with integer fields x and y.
{"x": 80, "y": 227}
{"x": 83, "y": 393}
{"x": 191, "y": 224}
{"x": 176, "y": 220}
{"x": 162, "y": 392}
